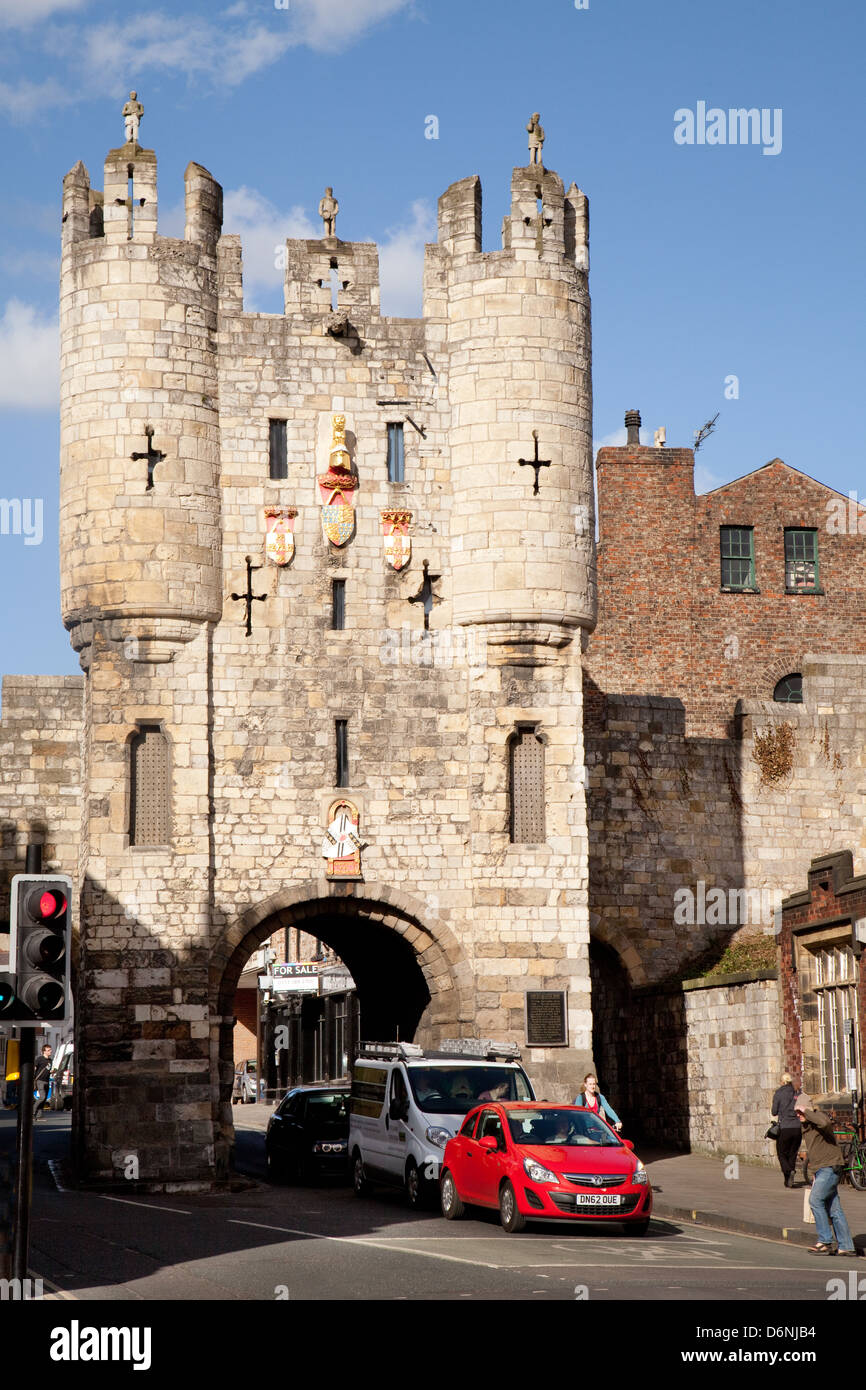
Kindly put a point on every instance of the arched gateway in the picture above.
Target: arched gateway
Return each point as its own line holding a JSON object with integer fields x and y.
{"x": 410, "y": 971}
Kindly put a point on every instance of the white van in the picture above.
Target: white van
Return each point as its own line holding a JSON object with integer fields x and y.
{"x": 406, "y": 1103}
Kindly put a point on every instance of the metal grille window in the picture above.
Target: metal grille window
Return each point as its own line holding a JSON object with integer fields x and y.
{"x": 526, "y": 787}
{"x": 738, "y": 557}
{"x": 149, "y": 801}
{"x": 835, "y": 984}
{"x": 789, "y": 690}
{"x": 338, "y": 604}
{"x": 396, "y": 469}
{"x": 801, "y": 559}
{"x": 278, "y": 463}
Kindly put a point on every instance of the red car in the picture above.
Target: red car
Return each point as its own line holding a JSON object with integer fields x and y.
{"x": 544, "y": 1162}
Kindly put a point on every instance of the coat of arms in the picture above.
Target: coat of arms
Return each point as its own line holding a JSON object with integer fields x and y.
{"x": 279, "y": 534}
{"x": 337, "y": 487}
{"x": 342, "y": 843}
{"x": 398, "y": 542}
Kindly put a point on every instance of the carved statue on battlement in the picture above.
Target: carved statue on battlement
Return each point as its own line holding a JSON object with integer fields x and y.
{"x": 328, "y": 209}
{"x": 132, "y": 114}
{"x": 536, "y": 138}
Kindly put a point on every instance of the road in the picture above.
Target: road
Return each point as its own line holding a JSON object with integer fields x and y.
{"x": 322, "y": 1243}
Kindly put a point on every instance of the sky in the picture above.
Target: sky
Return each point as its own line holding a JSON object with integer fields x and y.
{"x": 725, "y": 277}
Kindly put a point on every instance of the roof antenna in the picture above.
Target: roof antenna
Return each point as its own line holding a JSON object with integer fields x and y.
{"x": 701, "y": 434}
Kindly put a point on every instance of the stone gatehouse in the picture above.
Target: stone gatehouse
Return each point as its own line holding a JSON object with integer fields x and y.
{"x": 332, "y": 580}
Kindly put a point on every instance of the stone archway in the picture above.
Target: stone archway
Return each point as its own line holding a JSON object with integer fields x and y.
{"x": 377, "y": 931}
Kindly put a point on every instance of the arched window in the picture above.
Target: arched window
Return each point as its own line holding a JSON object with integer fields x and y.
{"x": 526, "y": 786}
{"x": 789, "y": 691}
{"x": 150, "y": 787}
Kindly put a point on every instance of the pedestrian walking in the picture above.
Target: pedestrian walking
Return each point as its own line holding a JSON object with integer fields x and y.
{"x": 827, "y": 1162}
{"x": 592, "y": 1099}
{"x": 790, "y": 1134}
{"x": 41, "y": 1077}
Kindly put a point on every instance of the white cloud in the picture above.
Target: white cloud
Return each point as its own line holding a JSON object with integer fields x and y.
{"x": 401, "y": 261}
{"x": 330, "y": 25}
{"x": 705, "y": 481}
{"x": 29, "y": 359}
{"x": 21, "y": 14}
{"x": 26, "y": 99}
{"x": 263, "y": 230}
{"x": 43, "y": 264}
{"x": 610, "y": 441}
{"x": 188, "y": 44}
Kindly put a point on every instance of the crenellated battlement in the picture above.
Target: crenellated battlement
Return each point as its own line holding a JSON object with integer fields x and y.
{"x": 545, "y": 221}
{"x": 126, "y": 209}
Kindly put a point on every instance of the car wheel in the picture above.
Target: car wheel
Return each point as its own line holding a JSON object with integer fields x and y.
{"x": 636, "y": 1228}
{"x": 359, "y": 1182}
{"x": 417, "y": 1187}
{"x": 511, "y": 1217}
{"x": 452, "y": 1202}
{"x": 276, "y": 1168}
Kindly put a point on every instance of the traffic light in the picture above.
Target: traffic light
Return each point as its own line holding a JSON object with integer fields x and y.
{"x": 39, "y": 950}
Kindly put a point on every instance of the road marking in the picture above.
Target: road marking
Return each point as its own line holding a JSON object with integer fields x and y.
{"x": 374, "y": 1244}
{"x": 56, "y": 1168}
{"x": 128, "y": 1202}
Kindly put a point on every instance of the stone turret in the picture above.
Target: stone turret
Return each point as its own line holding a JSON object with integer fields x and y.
{"x": 139, "y": 536}
{"x": 518, "y": 342}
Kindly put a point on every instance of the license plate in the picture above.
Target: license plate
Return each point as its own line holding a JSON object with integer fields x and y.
{"x": 596, "y": 1199}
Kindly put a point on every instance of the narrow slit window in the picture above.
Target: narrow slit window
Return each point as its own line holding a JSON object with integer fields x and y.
{"x": 342, "y": 737}
{"x": 526, "y": 787}
{"x": 149, "y": 799}
{"x": 278, "y": 464}
{"x": 338, "y": 605}
{"x": 396, "y": 468}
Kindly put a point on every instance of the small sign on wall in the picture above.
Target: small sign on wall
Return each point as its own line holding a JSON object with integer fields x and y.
{"x": 546, "y": 1018}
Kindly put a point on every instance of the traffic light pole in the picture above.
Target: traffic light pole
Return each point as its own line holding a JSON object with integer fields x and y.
{"x": 24, "y": 1144}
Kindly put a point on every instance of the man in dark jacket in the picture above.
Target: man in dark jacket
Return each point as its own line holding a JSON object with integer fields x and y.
{"x": 827, "y": 1162}
{"x": 790, "y": 1133}
{"x": 41, "y": 1077}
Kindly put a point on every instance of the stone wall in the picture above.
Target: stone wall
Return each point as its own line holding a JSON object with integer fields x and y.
{"x": 40, "y": 775}
{"x": 706, "y": 1060}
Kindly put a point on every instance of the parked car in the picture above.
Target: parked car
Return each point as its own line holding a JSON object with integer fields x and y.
{"x": 407, "y": 1103}
{"x": 544, "y": 1162}
{"x": 308, "y": 1134}
{"x": 244, "y": 1090}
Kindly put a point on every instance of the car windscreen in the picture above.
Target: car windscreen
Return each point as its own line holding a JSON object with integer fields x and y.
{"x": 328, "y": 1112}
{"x": 455, "y": 1090}
{"x": 551, "y": 1126}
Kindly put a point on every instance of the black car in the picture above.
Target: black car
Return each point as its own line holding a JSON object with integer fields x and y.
{"x": 308, "y": 1134}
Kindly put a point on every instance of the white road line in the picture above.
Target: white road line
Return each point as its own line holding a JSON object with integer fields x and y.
{"x": 374, "y": 1244}
{"x": 55, "y": 1168}
{"x": 128, "y": 1202}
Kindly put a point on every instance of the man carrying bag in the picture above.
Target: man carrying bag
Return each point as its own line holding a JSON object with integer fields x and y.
{"x": 827, "y": 1162}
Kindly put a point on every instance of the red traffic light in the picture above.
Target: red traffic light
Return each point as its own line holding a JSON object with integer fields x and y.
{"x": 46, "y": 904}
{"x": 51, "y": 904}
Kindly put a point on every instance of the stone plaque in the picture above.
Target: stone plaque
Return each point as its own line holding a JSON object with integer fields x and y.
{"x": 546, "y": 1021}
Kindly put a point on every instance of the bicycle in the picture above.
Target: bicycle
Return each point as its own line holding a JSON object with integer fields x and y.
{"x": 854, "y": 1153}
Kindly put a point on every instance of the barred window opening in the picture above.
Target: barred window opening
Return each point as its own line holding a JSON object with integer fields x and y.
{"x": 150, "y": 794}
{"x": 526, "y": 787}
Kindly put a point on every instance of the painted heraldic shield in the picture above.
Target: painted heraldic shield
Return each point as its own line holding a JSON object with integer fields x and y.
{"x": 338, "y": 523}
{"x": 279, "y": 534}
{"x": 398, "y": 542}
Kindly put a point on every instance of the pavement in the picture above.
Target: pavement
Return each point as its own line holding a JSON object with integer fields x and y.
{"x": 732, "y": 1195}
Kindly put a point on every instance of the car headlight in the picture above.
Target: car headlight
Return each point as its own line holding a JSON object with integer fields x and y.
{"x": 438, "y": 1135}
{"x": 640, "y": 1174}
{"x": 538, "y": 1172}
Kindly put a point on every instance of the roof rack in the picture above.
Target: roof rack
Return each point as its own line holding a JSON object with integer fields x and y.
{"x": 402, "y": 1050}
{"x": 481, "y": 1047}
